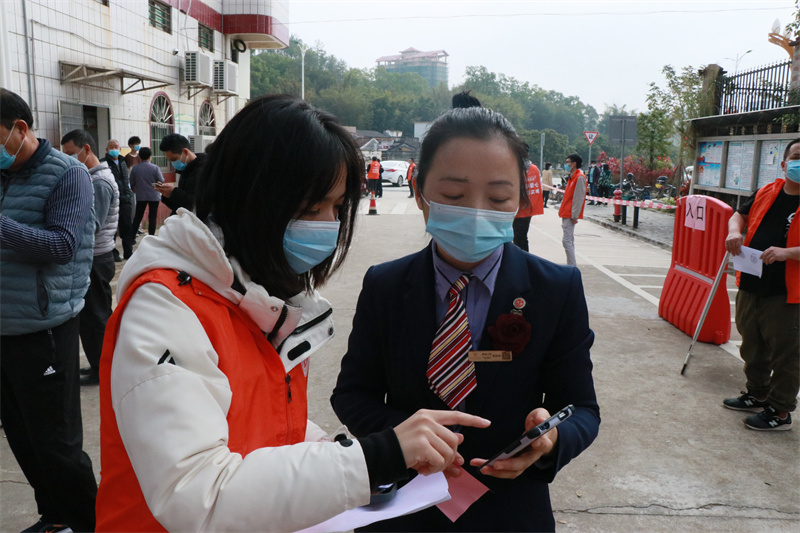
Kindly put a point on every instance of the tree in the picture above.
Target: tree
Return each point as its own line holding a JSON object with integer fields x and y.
{"x": 655, "y": 132}
{"x": 680, "y": 101}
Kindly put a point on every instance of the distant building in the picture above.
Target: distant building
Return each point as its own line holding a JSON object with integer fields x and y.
{"x": 430, "y": 65}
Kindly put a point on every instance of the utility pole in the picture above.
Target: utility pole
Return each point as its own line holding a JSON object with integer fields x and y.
{"x": 303, "y": 49}
{"x": 541, "y": 153}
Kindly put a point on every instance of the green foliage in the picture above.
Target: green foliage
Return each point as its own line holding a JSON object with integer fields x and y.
{"x": 682, "y": 99}
{"x": 654, "y": 132}
{"x": 793, "y": 28}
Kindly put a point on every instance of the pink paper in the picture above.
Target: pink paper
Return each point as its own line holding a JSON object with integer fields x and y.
{"x": 464, "y": 491}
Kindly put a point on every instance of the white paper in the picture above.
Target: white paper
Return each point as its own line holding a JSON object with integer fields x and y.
{"x": 420, "y": 493}
{"x": 749, "y": 261}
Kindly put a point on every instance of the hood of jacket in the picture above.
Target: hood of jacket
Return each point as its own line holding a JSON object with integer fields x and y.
{"x": 296, "y": 327}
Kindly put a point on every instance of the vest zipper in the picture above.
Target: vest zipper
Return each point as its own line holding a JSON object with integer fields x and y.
{"x": 289, "y": 425}
{"x": 289, "y": 387}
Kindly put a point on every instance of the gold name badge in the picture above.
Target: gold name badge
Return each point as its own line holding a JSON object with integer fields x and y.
{"x": 489, "y": 356}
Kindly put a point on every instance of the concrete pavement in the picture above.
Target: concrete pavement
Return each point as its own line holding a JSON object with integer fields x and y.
{"x": 669, "y": 456}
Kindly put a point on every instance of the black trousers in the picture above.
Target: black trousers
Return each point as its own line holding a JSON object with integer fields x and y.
{"x": 521, "y": 226}
{"x": 97, "y": 309}
{"x": 40, "y": 406}
{"x": 411, "y": 188}
{"x": 545, "y": 196}
{"x": 152, "y": 216}
{"x": 127, "y": 233}
{"x": 372, "y": 186}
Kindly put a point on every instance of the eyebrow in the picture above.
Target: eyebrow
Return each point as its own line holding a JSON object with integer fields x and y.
{"x": 465, "y": 180}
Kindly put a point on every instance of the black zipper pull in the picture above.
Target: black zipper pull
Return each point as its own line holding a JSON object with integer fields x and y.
{"x": 289, "y": 386}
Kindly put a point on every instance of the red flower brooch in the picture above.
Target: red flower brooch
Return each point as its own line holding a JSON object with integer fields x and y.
{"x": 511, "y": 332}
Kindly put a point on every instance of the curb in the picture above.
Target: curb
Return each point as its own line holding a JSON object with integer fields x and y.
{"x": 630, "y": 232}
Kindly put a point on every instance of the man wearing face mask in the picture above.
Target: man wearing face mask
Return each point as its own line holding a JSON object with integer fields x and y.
{"x": 46, "y": 243}
{"x": 94, "y": 316}
{"x": 768, "y": 308}
{"x": 186, "y": 163}
{"x": 571, "y": 209}
{"x": 119, "y": 168}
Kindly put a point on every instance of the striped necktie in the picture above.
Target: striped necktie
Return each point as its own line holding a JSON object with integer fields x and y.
{"x": 451, "y": 374}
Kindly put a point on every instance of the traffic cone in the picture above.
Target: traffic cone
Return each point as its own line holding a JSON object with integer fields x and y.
{"x": 373, "y": 205}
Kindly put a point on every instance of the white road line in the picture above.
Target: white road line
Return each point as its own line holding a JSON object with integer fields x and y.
{"x": 644, "y": 275}
{"x": 650, "y": 286}
{"x": 619, "y": 279}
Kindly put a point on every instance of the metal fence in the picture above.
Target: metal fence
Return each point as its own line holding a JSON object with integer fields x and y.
{"x": 756, "y": 89}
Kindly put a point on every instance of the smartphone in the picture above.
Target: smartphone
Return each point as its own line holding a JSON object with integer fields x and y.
{"x": 531, "y": 435}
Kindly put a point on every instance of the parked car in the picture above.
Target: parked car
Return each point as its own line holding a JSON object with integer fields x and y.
{"x": 395, "y": 172}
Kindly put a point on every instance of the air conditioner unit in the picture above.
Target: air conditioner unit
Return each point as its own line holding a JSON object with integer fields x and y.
{"x": 226, "y": 77}
{"x": 198, "y": 143}
{"x": 199, "y": 69}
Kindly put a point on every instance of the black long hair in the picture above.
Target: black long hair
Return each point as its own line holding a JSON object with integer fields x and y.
{"x": 275, "y": 158}
{"x": 472, "y": 123}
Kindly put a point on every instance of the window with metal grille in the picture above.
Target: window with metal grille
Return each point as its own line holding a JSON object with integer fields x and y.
{"x": 162, "y": 123}
{"x": 205, "y": 37}
{"x": 161, "y": 16}
{"x": 206, "y": 119}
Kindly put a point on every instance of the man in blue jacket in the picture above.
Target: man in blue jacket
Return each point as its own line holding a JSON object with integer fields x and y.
{"x": 46, "y": 243}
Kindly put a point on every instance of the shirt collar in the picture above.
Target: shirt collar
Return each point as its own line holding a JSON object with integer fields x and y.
{"x": 446, "y": 275}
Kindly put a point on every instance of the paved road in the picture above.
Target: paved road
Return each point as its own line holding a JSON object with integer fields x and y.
{"x": 669, "y": 457}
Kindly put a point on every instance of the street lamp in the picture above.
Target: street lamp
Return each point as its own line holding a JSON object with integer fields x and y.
{"x": 303, "y": 49}
{"x": 737, "y": 60}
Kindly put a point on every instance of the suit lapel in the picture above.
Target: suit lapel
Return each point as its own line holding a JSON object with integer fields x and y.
{"x": 513, "y": 281}
{"x": 419, "y": 312}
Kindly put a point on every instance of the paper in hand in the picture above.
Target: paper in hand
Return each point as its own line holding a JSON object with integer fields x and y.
{"x": 749, "y": 261}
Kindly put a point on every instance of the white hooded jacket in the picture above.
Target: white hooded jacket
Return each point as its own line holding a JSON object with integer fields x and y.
{"x": 172, "y": 417}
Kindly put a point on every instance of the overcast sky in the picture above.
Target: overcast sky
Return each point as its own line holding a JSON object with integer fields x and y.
{"x": 604, "y": 52}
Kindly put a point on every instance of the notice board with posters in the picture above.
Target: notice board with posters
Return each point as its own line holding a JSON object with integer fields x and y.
{"x": 769, "y": 167}
{"x": 739, "y": 168}
{"x": 709, "y": 163}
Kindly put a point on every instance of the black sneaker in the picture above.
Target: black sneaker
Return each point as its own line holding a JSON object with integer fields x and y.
{"x": 768, "y": 420}
{"x": 745, "y": 402}
{"x": 42, "y": 526}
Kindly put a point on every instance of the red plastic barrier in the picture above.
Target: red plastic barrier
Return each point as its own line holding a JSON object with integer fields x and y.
{"x": 698, "y": 249}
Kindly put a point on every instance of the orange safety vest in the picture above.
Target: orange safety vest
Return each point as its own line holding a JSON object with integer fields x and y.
{"x": 565, "y": 211}
{"x": 410, "y": 173}
{"x": 374, "y": 170}
{"x": 268, "y": 407}
{"x": 764, "y": 199}
{"x": 533, "y": 187}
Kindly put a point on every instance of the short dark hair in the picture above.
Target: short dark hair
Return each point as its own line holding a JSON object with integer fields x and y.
{"x": 464, "y": 99}
{"x": 410, "y": 158}
{"x": 253, "y": 194}
{"x": 174, "y": 142}
{"x": 547, "y": 166}
{"x": 134, "y": 140}
{"x": 80, "y": 138}
{"x": 374, "y": 158}
{"x": 12, "y": 109}
{"x": 788, "y": 148}
{"x": 575, "y": 158}
{"x": 472, "y": 123}
{"x": 145, "y": 153}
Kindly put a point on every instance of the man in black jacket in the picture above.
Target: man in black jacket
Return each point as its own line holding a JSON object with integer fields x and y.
{"x": 186, "y": 163}
{"x": 127, "y": 200}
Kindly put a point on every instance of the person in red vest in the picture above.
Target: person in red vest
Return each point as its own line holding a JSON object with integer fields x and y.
{"x": 522, "y": 220}
{"x": 411, "y": 176}
{"x": 205, "y": 361}
{"x": 768, "y": 307}
{"x": 374, "y": 172}
{"x": 572, "y": 205}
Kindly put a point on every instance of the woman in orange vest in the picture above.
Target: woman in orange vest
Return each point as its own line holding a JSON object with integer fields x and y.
{"x": 206, "y": 358}
{"x": 768, "y": 307}
{"x": 572, "y": 205}
{"x": 522, "y": 220}
{"x": 374, "y": 175}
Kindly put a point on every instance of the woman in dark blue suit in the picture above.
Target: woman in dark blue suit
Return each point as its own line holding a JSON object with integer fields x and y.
{"x": 412, "y": 347}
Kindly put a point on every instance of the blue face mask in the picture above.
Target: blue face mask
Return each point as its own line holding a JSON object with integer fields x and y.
{"x": 469, "y": 235}
{"x": 113, "y": 153}
{"x": 179, "y": 164}
{"x": 567, "y": 168}
{"x": 7, "y": 160}
{"x": 308, "y": 243}
{"x": 793, "y": 170}
{"x": 135, "y": 147}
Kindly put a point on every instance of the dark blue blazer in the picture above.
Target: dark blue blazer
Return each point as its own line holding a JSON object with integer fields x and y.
{"x": 383, "y": 382}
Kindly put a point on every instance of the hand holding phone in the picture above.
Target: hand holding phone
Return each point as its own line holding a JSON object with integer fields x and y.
{"x": 531, "y": 435}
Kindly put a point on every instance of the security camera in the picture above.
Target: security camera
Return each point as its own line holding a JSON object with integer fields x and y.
{"x": 175, "y": 51}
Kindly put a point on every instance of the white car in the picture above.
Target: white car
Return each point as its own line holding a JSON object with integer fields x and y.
{"x": 395, "y": 172}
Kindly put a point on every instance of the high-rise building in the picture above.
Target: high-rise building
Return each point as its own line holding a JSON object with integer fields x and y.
{"x": 430, "y": 65}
